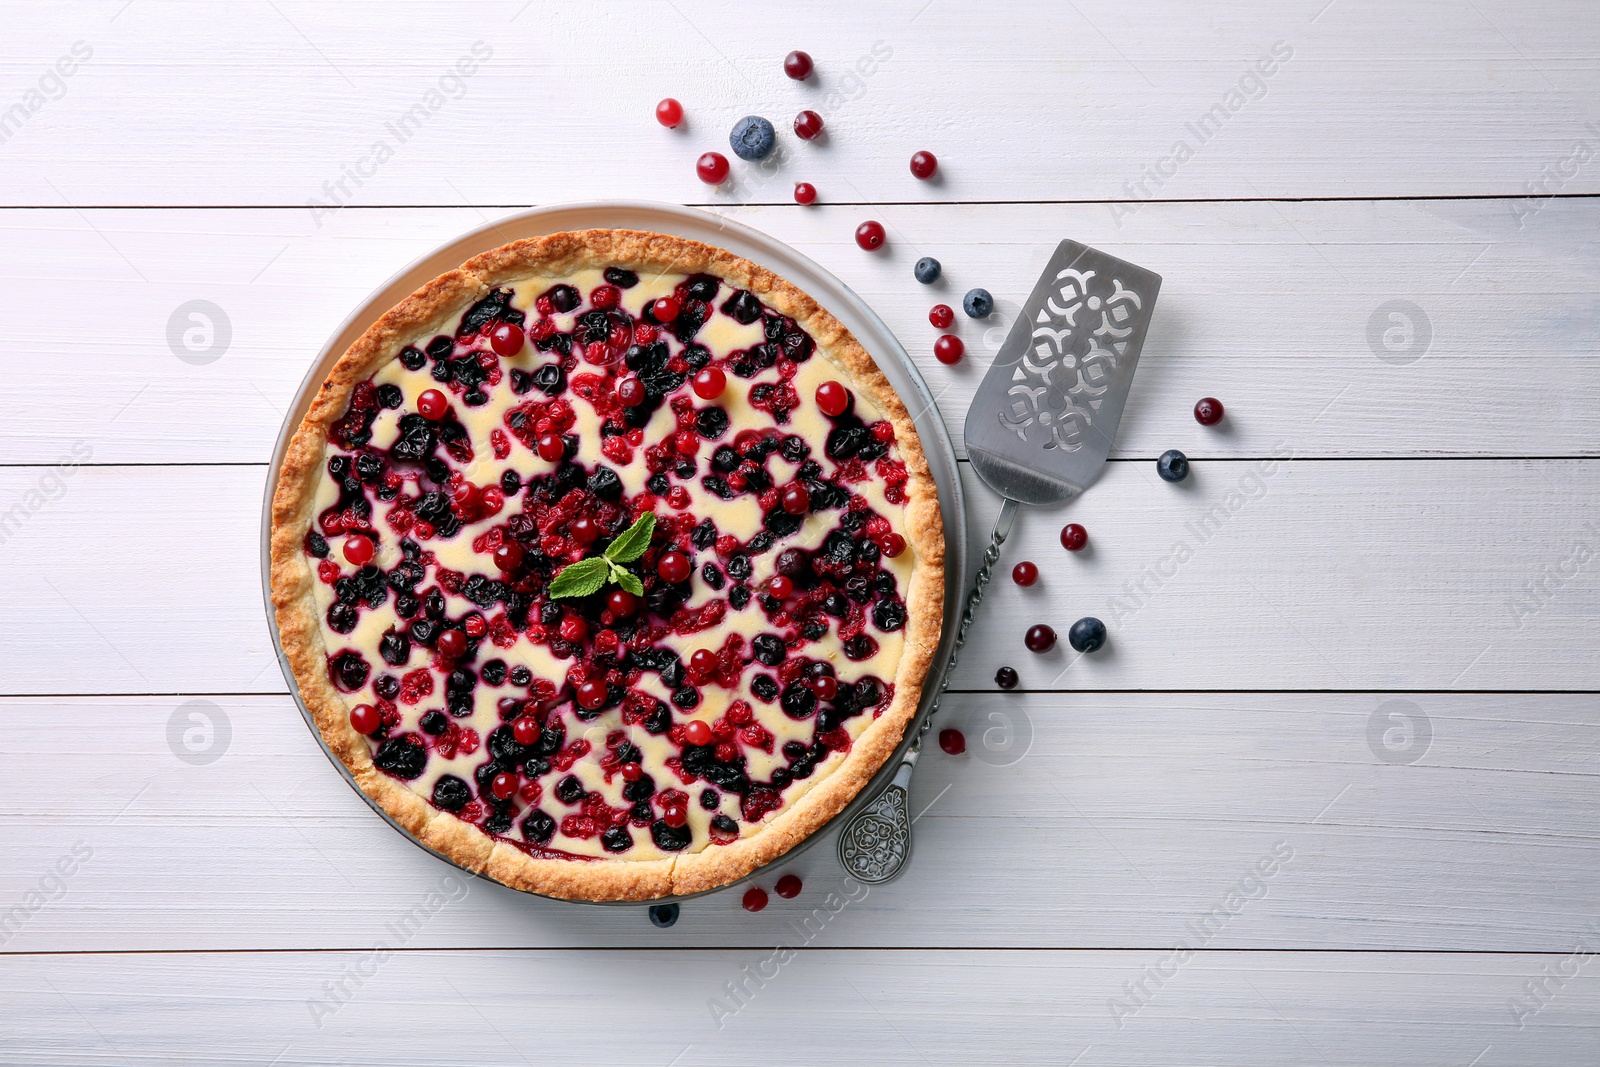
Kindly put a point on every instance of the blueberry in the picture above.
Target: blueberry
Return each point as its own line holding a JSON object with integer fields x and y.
{"x": 752, "y": 138}
{"x": 927, "y": 270}
{"x": 663, "y": 915}
{"x": 1088, "y": 634}
{"x": 451, "y": 793}
{"x": 1173, "y": 466}
{"x": 978, "y": 303}
{"x": 1006, "y": 678}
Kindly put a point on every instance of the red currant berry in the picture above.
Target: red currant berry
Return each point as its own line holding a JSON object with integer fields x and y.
{"x": 1025, "y": 573}
{"x": 592, "y": 693}
{"x": 923, "y": 164}
{"x": 712, "y": 168}
{"x": 573, "y": 629}
{"x": 632, "y": 772}
{"x": 432, "y": 405}
{"x": 953, "y": 741}
{"x": 506, "y": 339}
{"x": 673, "y": 567}
{"x": 584, "y": 530}
{"x": 666, "y": 309}
{"x": 525, "y": 730}
{"x": 710, "y": 382}
{"x": 1040, "y": 638}
{"x": 674, "y": 815}
{"x": 797, "y": 65}
{"x": 892, "y": 545}
{"x": 503, "y": 785}
{"x": 948, "y": 349}
{"x": 508, "y": 557}
{"x": 869, "y": 235}
{"x": 605, "y": 296}
{"x": 805, "y": 193}
{"x": 621, "y": 603}
{"x": 755, "y": 898}
{"x": 807, "y": 125}
{"x": 795, "y": 498}
{"x": 687, "y": 442}
{"x": 551, "y": 447}
{"x": 474, "y": 625}
{"x": 1208, "y": 411}
{"x": 833, "y": 398}
{"x": 1074, "y": 537}
{"x": 780, "y": 587}
{"x": 669, "y": 113}
{"x": 365, "y": 718}
{"x": 941, "y": 316}
{"x": 788, "y": 887}
{"x": 825, "y": 687}
{"x": 697, "y": 733}
{"x": 358, "y": 549}
{"x": 630, "y": 391}
{"x": 492, "y": 499}
{"x": 703, "y": 663}
{"x": 451, "y": 644}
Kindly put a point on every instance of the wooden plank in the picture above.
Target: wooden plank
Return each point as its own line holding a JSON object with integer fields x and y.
{"x": 1251, "y": 575}
{"x": 912, "y": 1008}
{"x": 1090, "y": 101}
{"x": 1266, "y": 306}
{"x": 1342, "y": 821}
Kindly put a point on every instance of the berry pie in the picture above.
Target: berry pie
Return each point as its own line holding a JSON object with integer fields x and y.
{"x": 610, "y": 565}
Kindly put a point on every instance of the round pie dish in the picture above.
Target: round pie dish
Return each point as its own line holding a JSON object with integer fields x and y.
{"x": 608, "y": 564}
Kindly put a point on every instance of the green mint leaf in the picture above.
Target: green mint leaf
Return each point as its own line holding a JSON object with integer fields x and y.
{"x": 633, "y": 541}
{"x": 581, "y": 578}
{"x": 628, "y": 581}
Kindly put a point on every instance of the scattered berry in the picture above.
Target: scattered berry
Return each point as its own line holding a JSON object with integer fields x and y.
{"x": 927, "y": 270}
{"x": 978, "y": 303}
{"x": 795, "y": 498}
{"x": 592, "y": 693}
{"x": 669, "y": 113}
{"x": 621, "y": 603}
{"x": 825, "y": 686}
{"x": 573, "y": 629}
{"x": 508, "y": 557}
{"x": 780, "y": 587}
{"x": 892, "y": 544}
{"x": 953, "y": 741}
{"x": 1208, "y": 411}
{"x": 1006, "y": 677}
{"x": 941, "y": 316}
{"x": 1040, "y": 638}
{"x": 808, "y": 125}
{"x": 702, "y": 663}
{"x": 948, "y": 349}
{"x": 1025, "y": 573}
{"x": 503, "y": 785}
{"x": 551, "y": 447}
{"x": 710, "y": 382}
{"x": 358, "y": 549}
{"x": 666, "y": 309}
{"x": 805, "y": 193}
{"x": 755, "y": 898}
{"x": 365, "y": 718}
{"x": 712, "y": 168}
{"x": 673, "y": 567}
{"x": 753, "y": 138}
{"x": 923, "y": 164}
{"x": 632, "y": 772}
{"x": 475, "y": 625}
{"x": 788, "y": 887}
{"x": 797, "y": 65}
{"x": 630, "y": 391}
{"x": 506, "y": 339}
{"x": 833, "y": 398}
{"x": 1074, "y": 537}
{"x": 1088, "y": 634}
{"x": 869, "y": 235}
{"x": 697, "y": 733}
{"x": 663, "y": 915}
{"x": 452, "y": 644}
{"x": 1173, "y": 466}
{"x": 584, "y": 530}
{"x": 525, "y": 730}
{"x": 432, "y": 405}
{"x": 674, "y": 815}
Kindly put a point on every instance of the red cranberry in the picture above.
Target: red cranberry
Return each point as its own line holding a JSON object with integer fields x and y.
{"x": 584, "y": 530}
{"x": 432, "y": 405}
{"x": 953, "y": 741}
{"x": 826, "y": 687}
{"x": 686, "y": 442}
{"x": 492, "y": 499}
{"x": 788, "y": 887}
{"x": 869, "y": 235}
{"x": 941, "y": 316}
{"x": 697, "y": 733}
{"x": 666, "y": 309}
{"x": 923, "y": 164}
{"x": 630, "y": 391}
{"x": 506, "y": 339}
{"x": 833, "y": 398}
{"x": 451, "y": 644}
{"x": 807, "y": 125}
{"x": 358, "y": 549}
{"x": 674, "y": 815}
{"x": 503, "y": 785}
{"x": 525, "y": 730}
{"x": 1074, "y": 537}
{"x": 669, "y": 113}
{"x": 703, "y": 663}
{"x": 712, "y": 168}
{"x": 508, "y": 557}
{"x": 1040, "y": 638}
{"x": 678, "y": 498}
{"x": 573, "y": 629}
{"x": 621, "y": 603}
{"x": 632, "y": 772}
{"x": 592, "y": 693}
{"x": 797, "y": 65}
{"x": 755, "y": 898}
{"x": 795, "y": 498}
{"x": 710, "y": 382}
{"x": 365, "y": 718}
{"x": 1208, "y": 411}
{"x": 551, "y": 447}
{"x": 673, "y": 567}
{"x": 805, "y": 193}
{"x": 779, "y": 587}
{"x": 475, "y": 625}
{"x": 948, "y": 349}
{"x": 892, "y": 544}
{"x": 1025, "y": 573}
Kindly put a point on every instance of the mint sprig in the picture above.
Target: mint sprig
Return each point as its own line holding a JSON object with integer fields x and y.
{"x": 591, "y": 575}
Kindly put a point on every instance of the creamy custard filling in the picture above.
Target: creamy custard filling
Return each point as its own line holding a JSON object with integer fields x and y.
{"x": 494, "y": 709}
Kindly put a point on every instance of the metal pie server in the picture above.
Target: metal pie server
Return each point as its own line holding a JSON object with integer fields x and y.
{"x": 1038, "y": 432}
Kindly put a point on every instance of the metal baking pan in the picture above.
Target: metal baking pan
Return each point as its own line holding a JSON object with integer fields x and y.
{"x": 712, "y": 229}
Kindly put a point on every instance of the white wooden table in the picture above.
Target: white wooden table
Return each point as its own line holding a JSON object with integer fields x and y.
{"x": 1357, "y": 650}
